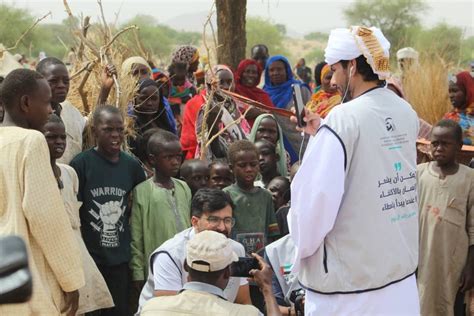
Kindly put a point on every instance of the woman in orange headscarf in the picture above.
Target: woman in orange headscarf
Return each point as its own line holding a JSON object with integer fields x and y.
{"x": 327, "y": 97}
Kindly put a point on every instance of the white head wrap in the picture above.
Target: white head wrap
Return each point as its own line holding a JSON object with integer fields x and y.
{"x": 350, "y": 43}
{"x": 407, "y": 52}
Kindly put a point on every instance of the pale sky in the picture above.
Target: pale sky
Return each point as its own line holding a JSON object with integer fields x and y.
{"x": 299, "y": 16}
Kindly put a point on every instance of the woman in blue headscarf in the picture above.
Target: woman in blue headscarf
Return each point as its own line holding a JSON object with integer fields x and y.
{"x": 278, "y": 81}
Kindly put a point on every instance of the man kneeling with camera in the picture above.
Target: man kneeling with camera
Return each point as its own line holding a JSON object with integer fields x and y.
{"x": 209, "y": 262}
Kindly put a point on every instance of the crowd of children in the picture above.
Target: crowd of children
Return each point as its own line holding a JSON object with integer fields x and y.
{"x": 124, "y": 204}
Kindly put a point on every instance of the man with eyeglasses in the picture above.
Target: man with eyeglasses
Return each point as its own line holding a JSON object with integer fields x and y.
{"x": 211, "y": 209}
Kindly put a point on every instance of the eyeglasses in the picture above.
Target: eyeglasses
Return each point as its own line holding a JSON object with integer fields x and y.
{"x": 215, "y": 221}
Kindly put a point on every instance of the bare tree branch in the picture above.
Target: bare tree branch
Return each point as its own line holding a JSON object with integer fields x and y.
{"x": 28, "y": 30}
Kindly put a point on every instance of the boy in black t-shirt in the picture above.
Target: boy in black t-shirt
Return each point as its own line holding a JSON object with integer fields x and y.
{"x": 107, "y": 175}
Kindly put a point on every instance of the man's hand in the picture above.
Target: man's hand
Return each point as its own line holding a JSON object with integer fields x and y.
{"x": 262, "y": 277}
{"x": 72, "y": 303}
{"x": 107, "y": 76}
{"x": 313, "y": 121}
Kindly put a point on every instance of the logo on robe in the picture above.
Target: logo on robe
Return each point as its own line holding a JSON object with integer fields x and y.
{"x": 389, "y": 125}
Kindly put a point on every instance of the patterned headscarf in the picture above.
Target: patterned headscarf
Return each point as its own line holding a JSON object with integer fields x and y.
{"x": 186, "y": 54}
{"x": 211, "y": 75}
{"x": 325, "y": 71}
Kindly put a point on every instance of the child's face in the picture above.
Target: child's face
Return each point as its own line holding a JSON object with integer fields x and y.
{"x": 148, "y": 101}
{"x": 166, "y": 159}
{"x": 220, "y": 176}
{"x": 267, "y": 130}
{"x": 179, "y": 77}
{"x": 198, "y": 178}
{"x": 58, "y": 79}
{"x": 55, "y": 134}
{"x": 109, "y": 133}
{"x": 278, "y": 189}
{"x": 246, "y": 168}
{"x": 444, "y": 145}
{"x": 267, "y": 158}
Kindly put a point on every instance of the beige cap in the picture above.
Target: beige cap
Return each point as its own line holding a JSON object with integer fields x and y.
{"x": 210, "y": 251}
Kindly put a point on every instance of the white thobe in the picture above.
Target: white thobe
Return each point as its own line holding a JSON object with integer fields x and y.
{"x": 316, "y": 194}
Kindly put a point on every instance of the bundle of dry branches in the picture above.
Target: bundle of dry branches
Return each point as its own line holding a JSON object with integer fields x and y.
{"x": 98, "y": 45}
{"x": 426, "y": 88}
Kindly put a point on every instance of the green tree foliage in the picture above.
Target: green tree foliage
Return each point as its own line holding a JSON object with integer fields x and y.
{"x": 54, "y": 39}
{"x": 44, "y": 37}
{"x": 394, "y": 17}
{"x": 467, "y": 51}
{"x": 443, "y": 41}
{"x": 262, "y": 31}
{"x": 13, "y": 22}
{"x": 316, "y": 36}
{"x": 314, "y": 56}
{"x": 159, "y": 39}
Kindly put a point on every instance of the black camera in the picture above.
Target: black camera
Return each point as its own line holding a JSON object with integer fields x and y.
{"x": 296, "y": 297}
{"x": 242, "y": 267}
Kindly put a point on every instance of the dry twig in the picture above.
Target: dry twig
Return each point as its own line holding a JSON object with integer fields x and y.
{"x": 81, "y": 91}
{"x": 108, "y": 32}
{"x": 222, "y": 131}
{"x": 28, "y": 30}
{"x": 85, "y": 28}
{"x": 139, "y": 43}
{"x": 77, "y": 73}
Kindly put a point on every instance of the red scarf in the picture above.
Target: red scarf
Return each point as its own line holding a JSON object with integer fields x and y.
{"x": 466, "y": 82}
{"x": 254, "y": 92}
{"x": 188, "y": 130}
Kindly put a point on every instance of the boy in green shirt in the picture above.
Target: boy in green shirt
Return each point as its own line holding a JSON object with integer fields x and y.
{"x": 255, "y": 221}
{"x": 161, "y": 205}
{"x": 256, "y": 224}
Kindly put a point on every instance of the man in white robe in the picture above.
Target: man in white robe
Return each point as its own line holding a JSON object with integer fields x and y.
{"x": 353, "y": 217}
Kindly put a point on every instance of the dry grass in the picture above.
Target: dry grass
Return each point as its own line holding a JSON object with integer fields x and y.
{"x": 426, "y": 89}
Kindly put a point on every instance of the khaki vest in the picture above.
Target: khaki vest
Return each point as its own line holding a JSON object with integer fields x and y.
{"x": 374, "y": 241}
{"x": 196, "y": 303}
{"x": 176, "y": 249}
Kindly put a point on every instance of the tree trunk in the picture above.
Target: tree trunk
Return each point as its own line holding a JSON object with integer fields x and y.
{"x": 231, "y": 34}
